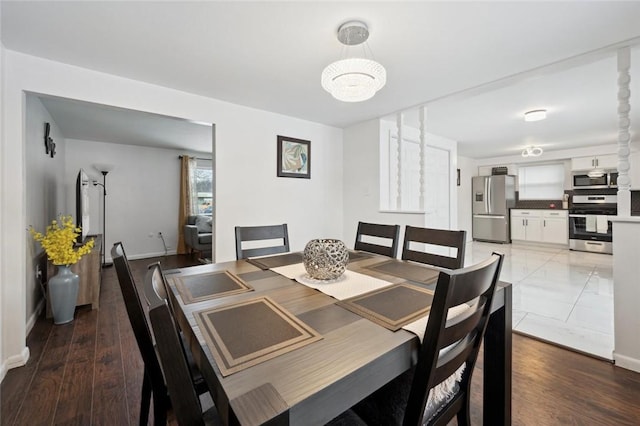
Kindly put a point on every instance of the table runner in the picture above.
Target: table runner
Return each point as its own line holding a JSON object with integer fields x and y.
{"x": 352, "y": 284}
{"x": 252, "y": 331}
{"x": 269, "y": 262}
{"x": 275, "y": 261}
{"x": 209, "y": 285}
{"x": 348, "y": 285}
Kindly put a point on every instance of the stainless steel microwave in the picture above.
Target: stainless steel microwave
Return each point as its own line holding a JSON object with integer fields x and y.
{"x": 586, "y": 180}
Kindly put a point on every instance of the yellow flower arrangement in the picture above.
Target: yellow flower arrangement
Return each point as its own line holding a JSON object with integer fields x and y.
{"x": 58, "y": 241}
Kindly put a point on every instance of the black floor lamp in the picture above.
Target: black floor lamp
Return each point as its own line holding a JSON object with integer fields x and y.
{"x": 104, "y": 169}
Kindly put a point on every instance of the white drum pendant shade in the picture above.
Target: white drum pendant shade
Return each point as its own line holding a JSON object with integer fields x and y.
{"x": 353, "y": 79}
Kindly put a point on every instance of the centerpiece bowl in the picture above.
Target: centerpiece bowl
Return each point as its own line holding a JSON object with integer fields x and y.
{"x": 325, "y": 259}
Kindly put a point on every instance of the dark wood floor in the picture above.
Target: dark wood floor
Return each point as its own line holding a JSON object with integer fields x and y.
{"x": 90, "y": 372}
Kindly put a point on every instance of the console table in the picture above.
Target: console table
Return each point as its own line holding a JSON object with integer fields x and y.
{"x": 89, "y": 270}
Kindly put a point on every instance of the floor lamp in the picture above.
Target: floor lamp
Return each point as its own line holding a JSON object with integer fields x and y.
{"x": 104, "y": 169}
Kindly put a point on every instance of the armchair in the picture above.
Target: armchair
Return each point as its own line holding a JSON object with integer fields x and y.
{"x": 198, "y": 234}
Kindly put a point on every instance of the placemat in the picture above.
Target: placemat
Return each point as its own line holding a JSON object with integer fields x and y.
{"x": 407, "y": 271}
{"x": 358, "y": 255}
{"x": 210, "y": 285}
{"x": 243, "y": 334}
{"x": 276, "y": 261}
{"x": 392, "y": 307}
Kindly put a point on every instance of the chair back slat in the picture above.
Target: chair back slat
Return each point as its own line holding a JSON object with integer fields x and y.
{"x": 463, "y": 327}
{"x": 437, "y": 237}
{"x": 258, "y": 233}
{"x": 460, "y": 336}
{"x": 452, "y": 360}
{"x": 184, "y": 398}
{"x": 390, "y": 232}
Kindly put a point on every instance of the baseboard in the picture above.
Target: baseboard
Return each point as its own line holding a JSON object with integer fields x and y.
{"x": 34, "y": 316}
{"x": 626, "y": 362}
{"x": 14, "y": 361}
{"x": 147, "y": 255}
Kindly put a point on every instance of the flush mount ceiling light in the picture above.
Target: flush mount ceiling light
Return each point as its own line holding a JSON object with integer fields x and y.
{"x": 354, "y": 79}
{"x": 532, "y": 151}
{"x": 535, "y": 115}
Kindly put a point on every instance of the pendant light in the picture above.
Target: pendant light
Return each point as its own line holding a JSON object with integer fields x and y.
{"x": 354, "y": 79}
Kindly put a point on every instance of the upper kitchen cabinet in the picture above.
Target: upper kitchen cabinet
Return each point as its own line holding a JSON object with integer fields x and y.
{"x": 609, "y": 161}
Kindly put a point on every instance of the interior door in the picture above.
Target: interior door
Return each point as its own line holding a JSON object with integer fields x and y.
{"x": 437, "y": 200}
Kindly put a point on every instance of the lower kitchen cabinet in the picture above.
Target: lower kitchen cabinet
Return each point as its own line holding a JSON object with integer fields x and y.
{"x": 540, "y": 226}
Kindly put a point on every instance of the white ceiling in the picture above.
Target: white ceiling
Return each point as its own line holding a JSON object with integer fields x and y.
{"x": 269, "y": 55}
{"x": 94, "y": 122}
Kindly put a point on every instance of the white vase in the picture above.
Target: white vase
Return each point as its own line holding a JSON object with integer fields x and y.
{"x": 63, "y": 293}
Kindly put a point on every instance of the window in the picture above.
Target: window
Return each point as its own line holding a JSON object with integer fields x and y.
{"x": 204, "y": 186}
{"x": 409, "y": 178}
{"x": 541, "y": 182}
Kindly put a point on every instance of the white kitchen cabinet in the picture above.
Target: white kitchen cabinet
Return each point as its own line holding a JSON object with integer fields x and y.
{"x": 609, "y": 161}
{"x": 540, "y": 226}
{"x": 526, "y": 225}
{"x": 555, "y": 227}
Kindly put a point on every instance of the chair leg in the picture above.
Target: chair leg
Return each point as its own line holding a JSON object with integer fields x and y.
{"x": 161, "y": 405}
{"x": 145, "y": 400}
{"x": 463, "y": 417}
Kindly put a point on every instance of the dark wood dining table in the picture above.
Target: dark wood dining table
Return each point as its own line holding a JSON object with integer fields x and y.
{"x": 355, "y": 356}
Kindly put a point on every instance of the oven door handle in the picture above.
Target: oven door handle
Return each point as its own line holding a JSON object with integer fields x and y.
{"x": 579, "y": 215}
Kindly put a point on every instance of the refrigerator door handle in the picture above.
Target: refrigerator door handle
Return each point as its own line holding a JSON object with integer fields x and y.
{"x": 487, "y": 195}
{"x": 486, "y": 216}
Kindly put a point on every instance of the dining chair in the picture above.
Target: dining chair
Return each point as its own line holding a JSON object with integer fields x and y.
{"x": 390, "y": 233}
{"x": 266, "y": 234}
{"x": 185, "y": 402}
{"x": 431, "y": 237}
{"x": 439, "y": 386}
{"x": 153, "y": 381}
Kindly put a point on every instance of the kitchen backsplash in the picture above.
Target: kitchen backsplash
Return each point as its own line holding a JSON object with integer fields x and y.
{"x": 546, "y": 204}
{"x": 537, "y": 204}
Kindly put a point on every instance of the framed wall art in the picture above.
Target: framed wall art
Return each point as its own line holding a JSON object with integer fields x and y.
{"x": 294, "y": 157}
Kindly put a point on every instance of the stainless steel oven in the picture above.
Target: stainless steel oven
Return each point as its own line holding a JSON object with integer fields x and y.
{"x": 589, "y": 225}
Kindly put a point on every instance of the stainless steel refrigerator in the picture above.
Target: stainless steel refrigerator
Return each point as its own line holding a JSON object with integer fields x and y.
{"x": 493, "y": 196}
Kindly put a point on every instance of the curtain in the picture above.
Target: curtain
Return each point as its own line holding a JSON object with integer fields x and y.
{"x": 188, "y": 198}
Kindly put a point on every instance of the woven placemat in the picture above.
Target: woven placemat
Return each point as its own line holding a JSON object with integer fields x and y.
{"x": 276, "y": 261}
{"x": 358, "y": 255}
{"x": 407, "y": 271}
{"x": 210, "y": 285}
{"x": 243, "y": 334}
{"x": 392, "y": 307}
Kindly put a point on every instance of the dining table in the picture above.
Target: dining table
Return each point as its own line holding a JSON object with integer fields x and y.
{"x": 276, "y": 349}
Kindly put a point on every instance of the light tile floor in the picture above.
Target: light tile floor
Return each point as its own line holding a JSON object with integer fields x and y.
{"x": 562, "y": 296}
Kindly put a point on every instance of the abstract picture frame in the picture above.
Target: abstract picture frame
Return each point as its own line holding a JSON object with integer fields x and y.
{"x": 294, "y": 157}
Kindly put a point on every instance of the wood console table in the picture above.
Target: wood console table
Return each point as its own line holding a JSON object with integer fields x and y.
{"x": 89, "y": 270}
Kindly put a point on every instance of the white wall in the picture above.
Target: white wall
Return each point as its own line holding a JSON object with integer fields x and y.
{"x": 2, "y": 154}
{"x": 468, "y": 169}
{"x": 247, "y": 189}
{"x": 362, "y": 182}
{"x": 46, "y": 197}
{"x": 143, "y": 192}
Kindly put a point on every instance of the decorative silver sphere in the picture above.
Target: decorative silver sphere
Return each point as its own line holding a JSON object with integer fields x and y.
{"x": 325, "y": 259}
